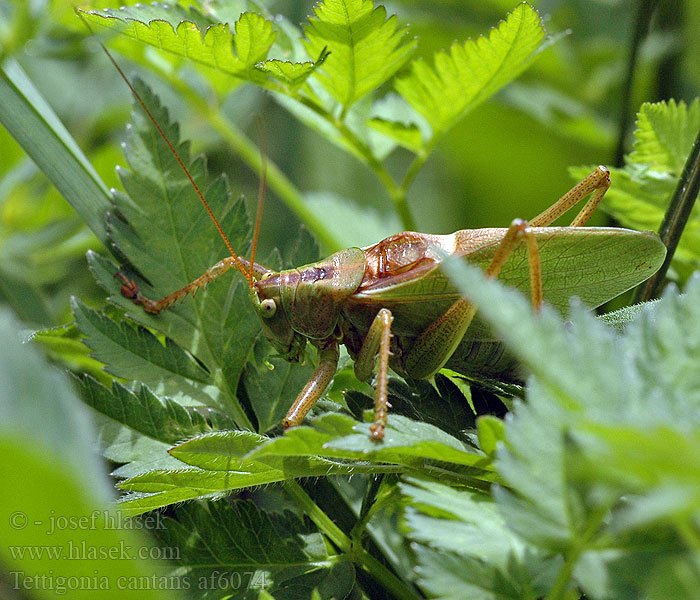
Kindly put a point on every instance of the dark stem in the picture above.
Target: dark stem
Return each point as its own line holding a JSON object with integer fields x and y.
{"x": 676, "y": 217}
{"x": 645, "y": 9}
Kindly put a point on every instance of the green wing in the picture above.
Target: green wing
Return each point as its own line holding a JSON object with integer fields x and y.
{"x": 594, "y": 263}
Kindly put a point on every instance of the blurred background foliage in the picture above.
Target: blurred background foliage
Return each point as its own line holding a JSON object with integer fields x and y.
{"x": 575, "y": 105}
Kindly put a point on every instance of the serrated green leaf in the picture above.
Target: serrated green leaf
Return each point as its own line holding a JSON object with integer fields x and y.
{"x": 619, "y": 319}
{"x": 234, "y": 460}
{"x": 406, "y": 135}
{"x": 405, "y": 439}
{"x": 223, "y": 451}
{"x": 292, "y": 75}
{"x": 664, "y": 135}
{"x": 135, "y": 353}
{"x": 641, "y": 192}
{"x": 606, "y": 444}
{"x": 235, "y": 53}
{"x": 166, "y": 234}
{"x": 473, "y": 71}
{"x": 63, "y": 345}
{"x": 365, "y": 47}
{"x": 236, "y": 548}
{"x": 166, "y": 486}
{"x": 230, "y": 451}
{"x": 241, "y": 53}
{"x": 407, "y": 442}
{"x": 458, "y": 521}
{"x": 482, "y": 557}
{"x": 134, "y": 452}
{"x": 159, "y": 418}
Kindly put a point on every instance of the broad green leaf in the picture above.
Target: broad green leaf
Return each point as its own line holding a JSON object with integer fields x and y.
{"x": 407, "y": 442}
{"x": 158, "y": 488}
{"x": 134, "y": 452}
{"x": 473, "y": 71}
{"x": 406, "y": 439}
{"x": 167, "y": 236}
{"x": 365, "y": 47}
{"x": 336, "y": 444}
{"x": 238, "y": 550}
{"x": 229, "y": 450}
{"x": 641, "y": 192}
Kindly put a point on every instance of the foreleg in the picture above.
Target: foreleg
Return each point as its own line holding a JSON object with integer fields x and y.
{"x": 314, "y": 388}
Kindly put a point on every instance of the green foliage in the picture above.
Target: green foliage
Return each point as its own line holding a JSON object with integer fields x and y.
{"x": 365, "y": 47}
{"x": 642, "y": 190}
{"x": 51, "y": 478}
{"x": 276, "y": 552}
{"x": 473, "y": 71}
{"x": 602, "y": 454}
{"x": 240, "y": 53}
{"x": 356, "y": 49}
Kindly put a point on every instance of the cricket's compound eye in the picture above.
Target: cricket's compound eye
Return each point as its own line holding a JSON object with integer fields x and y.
{"x": 269, "y": 308}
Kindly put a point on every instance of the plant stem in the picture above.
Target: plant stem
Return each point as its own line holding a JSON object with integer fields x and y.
{"x": 375, "y": 483}
{"x": 362, "y": 150}
{"x": 360, "y": 556}
{"x": 675, "y": 219}
{"x": 579, "y": 544}
{"x": 645, "y": 8}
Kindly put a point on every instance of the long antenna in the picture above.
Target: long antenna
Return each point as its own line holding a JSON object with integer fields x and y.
{"x": 248, "y": 275}
{"x": 261, "y": 196}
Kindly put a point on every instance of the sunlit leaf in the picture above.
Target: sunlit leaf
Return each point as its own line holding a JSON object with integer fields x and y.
{"x": 365, "y": 47}
{"x": 235, "y": 51}
{"x": 473, "y": 71}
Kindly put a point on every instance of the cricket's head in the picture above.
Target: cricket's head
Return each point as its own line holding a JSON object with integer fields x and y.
{"x": 266, "y": 295}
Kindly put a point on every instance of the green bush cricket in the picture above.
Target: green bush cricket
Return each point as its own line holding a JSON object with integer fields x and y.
{"x": 390, "y": 303}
